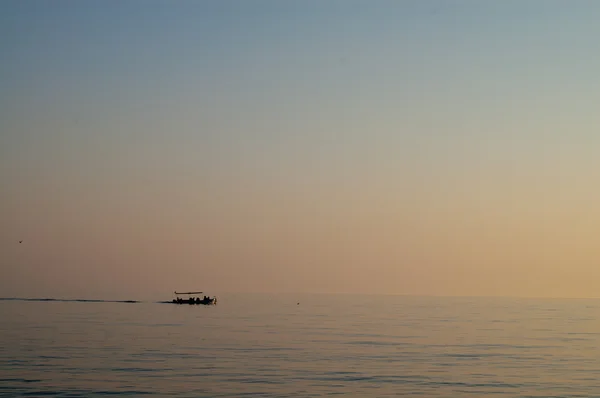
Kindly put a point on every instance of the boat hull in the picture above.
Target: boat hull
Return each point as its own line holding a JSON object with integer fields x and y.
{"x": 211, "y": 301}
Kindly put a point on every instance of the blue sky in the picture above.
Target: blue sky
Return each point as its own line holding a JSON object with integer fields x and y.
{"x": 177, "y": 116}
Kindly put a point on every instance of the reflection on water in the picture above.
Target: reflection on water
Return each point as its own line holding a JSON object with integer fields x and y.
{"x": 270, "y": 346}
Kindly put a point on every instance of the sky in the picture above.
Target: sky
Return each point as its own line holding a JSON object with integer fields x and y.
{"x": 371, "y": 147}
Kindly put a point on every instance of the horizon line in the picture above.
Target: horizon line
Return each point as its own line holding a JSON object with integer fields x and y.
{"x": 407, "y": 295}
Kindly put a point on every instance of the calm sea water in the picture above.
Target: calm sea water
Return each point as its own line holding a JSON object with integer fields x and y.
{"x": 269, "y": 346}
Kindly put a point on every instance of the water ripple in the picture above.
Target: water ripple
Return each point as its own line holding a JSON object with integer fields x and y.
{"x": 272, "y": 348}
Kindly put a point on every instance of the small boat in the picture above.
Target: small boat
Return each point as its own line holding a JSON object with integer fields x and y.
{"x": 190, "y": 299}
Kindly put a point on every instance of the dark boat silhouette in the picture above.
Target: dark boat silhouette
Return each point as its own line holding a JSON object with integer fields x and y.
{"x": 191, "y": 300}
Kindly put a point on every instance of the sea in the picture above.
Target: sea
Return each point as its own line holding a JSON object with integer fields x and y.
{"x": 253, "y": 345}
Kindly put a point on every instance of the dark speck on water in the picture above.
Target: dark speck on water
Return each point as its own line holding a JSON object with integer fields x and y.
{"x": 255, "y": 345}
